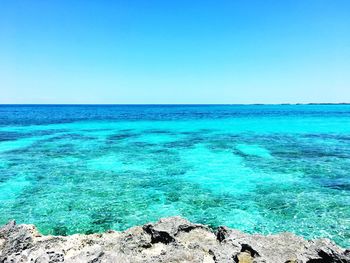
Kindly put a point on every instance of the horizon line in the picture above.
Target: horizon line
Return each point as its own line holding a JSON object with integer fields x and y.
{"x": 175, "y": 104}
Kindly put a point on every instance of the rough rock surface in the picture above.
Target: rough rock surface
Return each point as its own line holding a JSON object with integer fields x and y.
{"x": 171, "y": 239}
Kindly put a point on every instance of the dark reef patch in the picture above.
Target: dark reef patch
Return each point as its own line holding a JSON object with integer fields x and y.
{"x": 156, "y": 131}
{"x": 68, "y": 136}
{"x": 10, "y": 136}
{"x": 122, "y": 136}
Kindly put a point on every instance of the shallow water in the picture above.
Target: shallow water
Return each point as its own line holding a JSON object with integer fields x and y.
{"x": 266, "y": 169}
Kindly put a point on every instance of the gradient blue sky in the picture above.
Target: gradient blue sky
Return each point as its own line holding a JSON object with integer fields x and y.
{"x": 174, "y": 51}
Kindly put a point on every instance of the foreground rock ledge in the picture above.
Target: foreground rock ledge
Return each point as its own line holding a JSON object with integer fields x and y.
{"x": 172, "y": 239}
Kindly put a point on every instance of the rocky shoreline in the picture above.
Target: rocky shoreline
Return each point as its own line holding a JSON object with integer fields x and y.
{"x": 172, "y": 239}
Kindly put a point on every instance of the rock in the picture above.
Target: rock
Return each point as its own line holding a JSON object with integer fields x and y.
{"x": 158, "y": 235}
{"x": 244, "y": 257}
{"x": 172, "y": 239}
{"x": 293, "y": 261}
{"x": 222, "y": 233}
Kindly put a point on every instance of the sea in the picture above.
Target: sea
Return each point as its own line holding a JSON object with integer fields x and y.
{"x": 257, "y": 168}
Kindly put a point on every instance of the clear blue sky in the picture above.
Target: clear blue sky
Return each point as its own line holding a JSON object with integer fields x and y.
{"x": 177, "y": 51}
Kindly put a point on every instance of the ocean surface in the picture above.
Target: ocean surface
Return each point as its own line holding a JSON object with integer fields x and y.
{"x": 258, "y": 168}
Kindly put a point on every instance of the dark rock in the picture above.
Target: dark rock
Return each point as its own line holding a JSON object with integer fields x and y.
{"x": 330, "y": 257}
{"x": 252, "y": 252}
{"x": 158, "y": 236}
{"x": 222, "y": 233}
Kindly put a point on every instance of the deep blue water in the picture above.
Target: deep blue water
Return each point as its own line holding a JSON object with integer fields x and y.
{"x": 258, "y": 168}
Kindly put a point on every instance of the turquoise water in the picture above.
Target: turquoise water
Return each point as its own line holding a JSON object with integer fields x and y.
{"x": 266, "y": 169}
